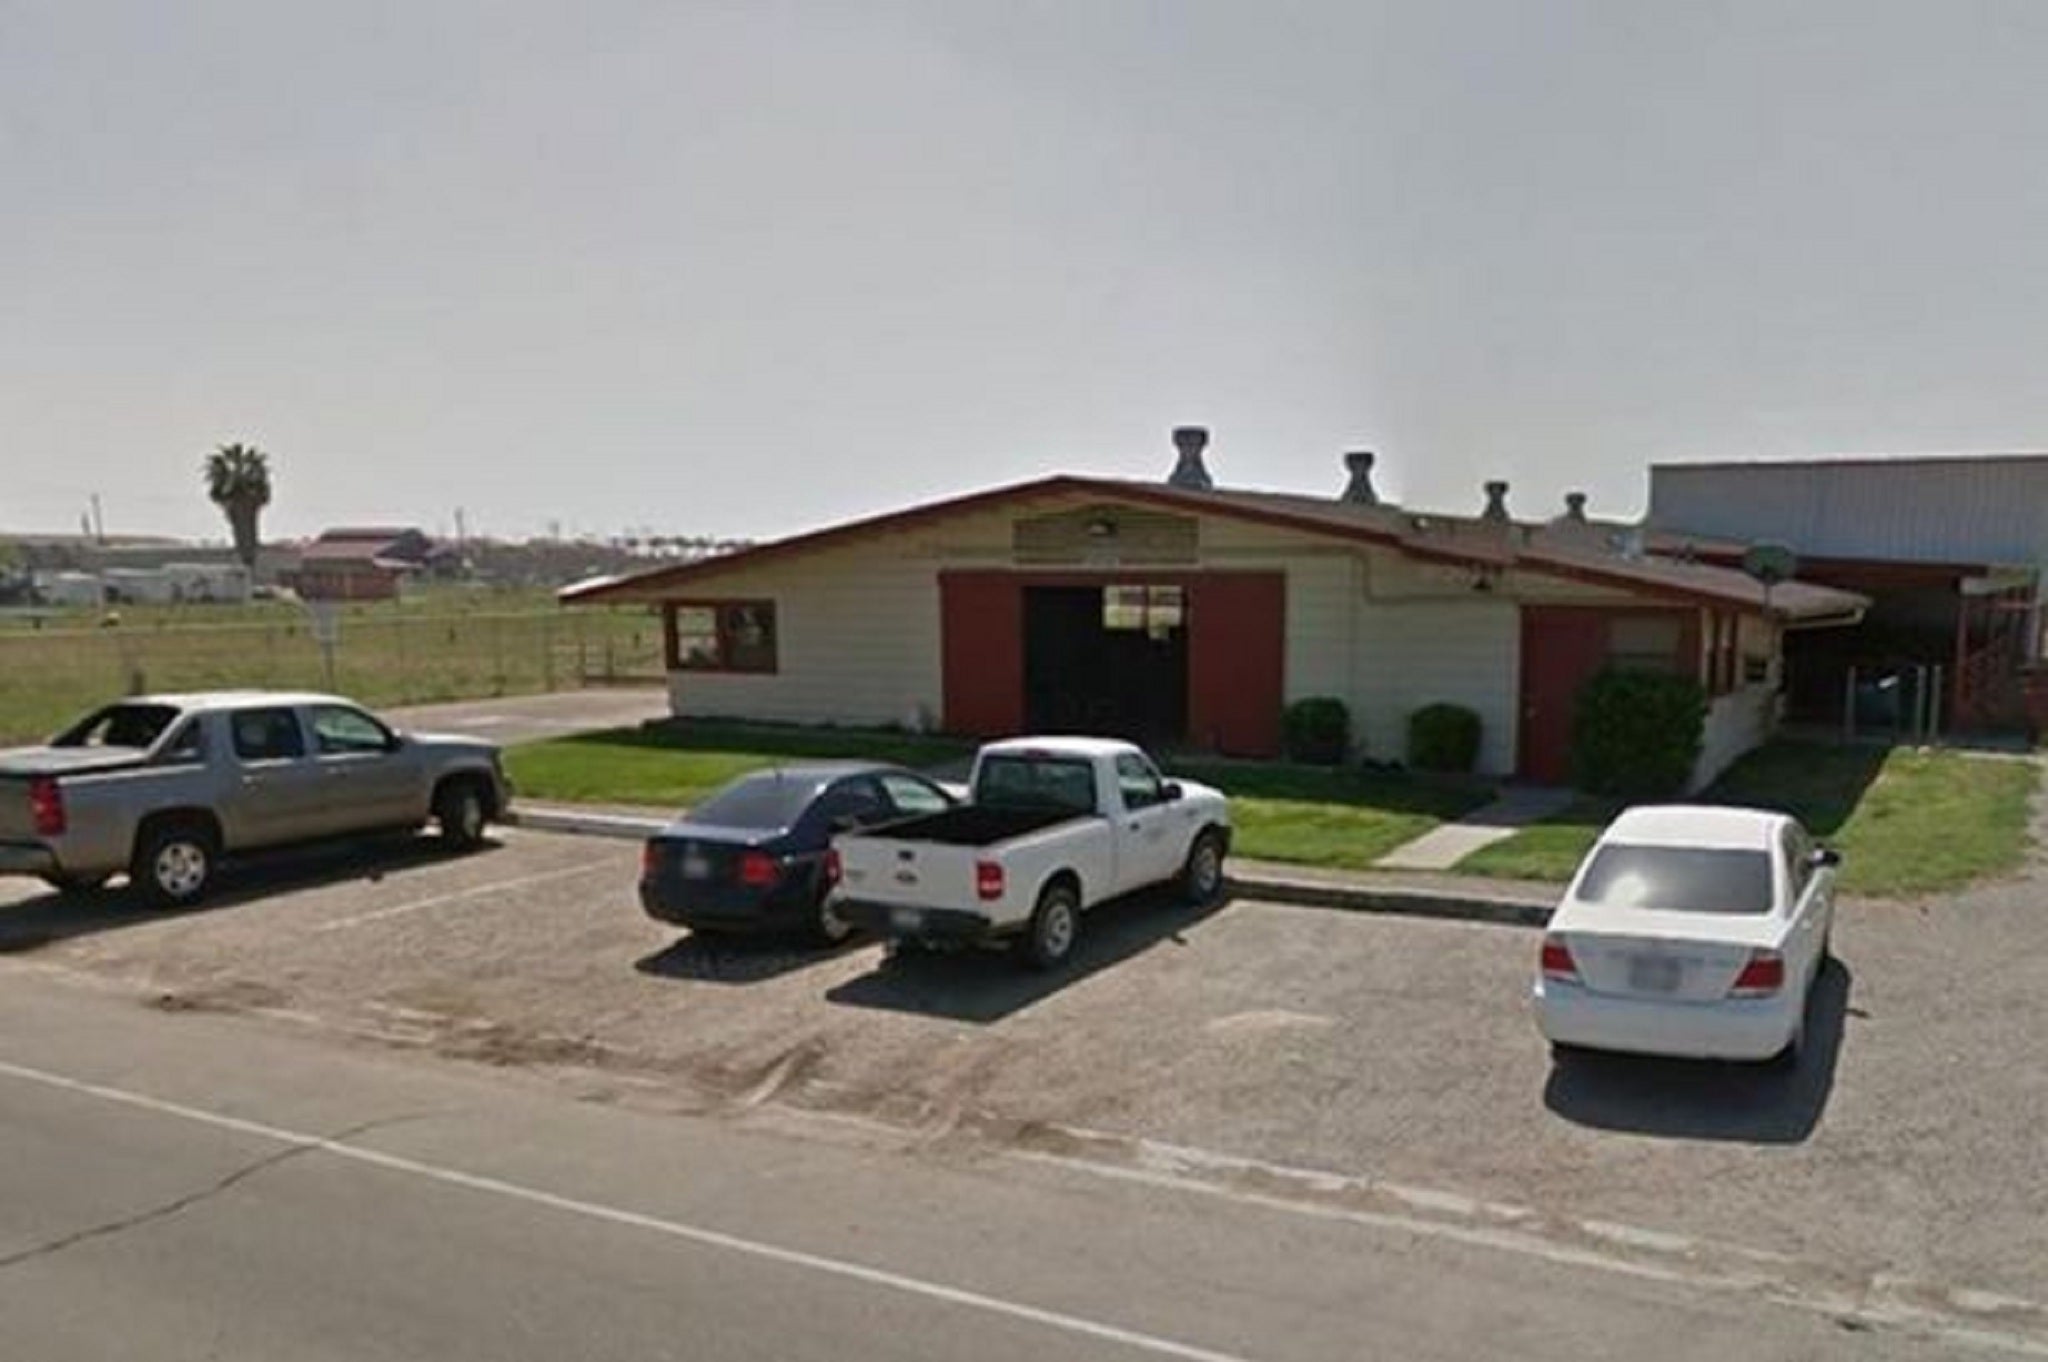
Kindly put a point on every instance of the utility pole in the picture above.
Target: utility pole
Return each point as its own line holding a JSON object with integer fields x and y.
{"x": 461, "y": 527}
{"x": 99, "y": 524}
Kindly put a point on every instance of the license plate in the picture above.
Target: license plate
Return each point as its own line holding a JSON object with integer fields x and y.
{"x": 1654, "y": 973}
{"x": 696, "y": 866}
{"x": 905, "y": 919}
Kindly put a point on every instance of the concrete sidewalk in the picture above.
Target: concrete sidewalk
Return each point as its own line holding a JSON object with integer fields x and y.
{"x": 1443, "y": 847}
{"x": 1409, "y": 893}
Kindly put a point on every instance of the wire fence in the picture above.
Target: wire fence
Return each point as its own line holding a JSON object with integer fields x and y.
{"x": 47, "y": 676}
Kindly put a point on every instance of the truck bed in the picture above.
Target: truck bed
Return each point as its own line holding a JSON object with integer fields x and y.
{"x": 974, "y": 826}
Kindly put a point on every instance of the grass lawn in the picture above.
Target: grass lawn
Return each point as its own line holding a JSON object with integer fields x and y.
{"x": 1906, "y": 823}
{"x": 1282, "y": 813}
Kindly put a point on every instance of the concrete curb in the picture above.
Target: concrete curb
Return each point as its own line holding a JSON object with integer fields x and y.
{"x": 583, "y": 824}
{"x": 1393, "y": 899}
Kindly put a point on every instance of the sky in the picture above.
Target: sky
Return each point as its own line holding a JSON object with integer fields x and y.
{"x": 748, "y": 268}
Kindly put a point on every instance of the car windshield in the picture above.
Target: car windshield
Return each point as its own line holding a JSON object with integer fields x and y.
{"x": 1036, "y": 782}
{"x": 1679, "y": 879}
{"x": 767, "y": 800}
{"x": 130, "y": 726}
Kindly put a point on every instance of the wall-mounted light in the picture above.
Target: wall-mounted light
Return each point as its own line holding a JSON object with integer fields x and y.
{"x": 1102, "y": 527}
{"x": 1485, "y": 577}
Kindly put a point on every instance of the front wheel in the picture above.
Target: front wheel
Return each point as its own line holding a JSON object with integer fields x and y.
{"x": 459, "y": 813}
{"x": 1201, "y": 875}
{"x": 1055, "y": 923}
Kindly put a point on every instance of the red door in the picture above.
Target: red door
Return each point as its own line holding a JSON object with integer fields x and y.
{"x": 1237, "y": 634}
{"x": 1562, "y": 646}
{"x": 981, "y": 650}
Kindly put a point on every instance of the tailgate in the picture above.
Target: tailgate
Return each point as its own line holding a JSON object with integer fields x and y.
{"x": 907, "y": 874}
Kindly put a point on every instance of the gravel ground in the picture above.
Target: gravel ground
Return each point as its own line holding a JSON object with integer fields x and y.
{"x": 1910, "y": 1140}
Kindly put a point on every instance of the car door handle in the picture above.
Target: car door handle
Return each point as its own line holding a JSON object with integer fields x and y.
{"x": 1136, "y": 826}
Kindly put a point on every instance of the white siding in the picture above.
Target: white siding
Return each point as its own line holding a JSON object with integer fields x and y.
{"x": 1414, "y": 653}
{"x": 1736, "y": 722}
{"x": 857, "y": 643}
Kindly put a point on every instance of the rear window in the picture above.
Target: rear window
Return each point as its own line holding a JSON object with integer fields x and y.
{"x": 1027, "y": 782}
{"x": 1679, "y": 879}
{"x": 759, "y": 801}
{"x": 133, "y": 726}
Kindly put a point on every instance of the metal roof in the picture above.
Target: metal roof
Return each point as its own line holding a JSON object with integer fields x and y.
{"x": 1982, "y": 511}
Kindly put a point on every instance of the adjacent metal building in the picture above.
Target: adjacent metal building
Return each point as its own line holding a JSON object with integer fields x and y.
{"x": 1949, "y": 548}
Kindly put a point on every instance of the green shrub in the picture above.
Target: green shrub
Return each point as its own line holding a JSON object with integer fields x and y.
{"x": 1443, "y": 737}
{"x": 1317, "y": 730}
{"x": 1637, "y": 734}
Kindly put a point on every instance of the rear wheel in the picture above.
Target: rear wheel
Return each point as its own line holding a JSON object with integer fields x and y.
{"x": 827, "y": 927}
{"x": 1055, "y": 923}
{"x": 173, "y": 865}
{"x": 460, "y": 814}
{"x": 1201, "y": 876}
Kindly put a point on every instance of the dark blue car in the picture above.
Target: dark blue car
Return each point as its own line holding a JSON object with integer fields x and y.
{"x": 753, "y": 856}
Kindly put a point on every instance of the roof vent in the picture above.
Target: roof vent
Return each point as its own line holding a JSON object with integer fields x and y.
{"x": 1496, "y": 503}
{"x": 1358, "y": 491}
{"x": 1574, "y": 508}
{"x": 1190, "y": 441}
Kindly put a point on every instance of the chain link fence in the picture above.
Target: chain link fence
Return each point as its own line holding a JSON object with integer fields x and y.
{"x": 48, "y": 676}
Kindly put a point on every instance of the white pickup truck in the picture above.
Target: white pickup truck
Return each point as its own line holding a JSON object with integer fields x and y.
{"x": 1053, "y": 827}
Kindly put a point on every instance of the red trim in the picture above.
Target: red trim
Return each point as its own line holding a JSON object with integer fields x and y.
{"x": 981, "y": 652}
{"x": 1061, "y": 485}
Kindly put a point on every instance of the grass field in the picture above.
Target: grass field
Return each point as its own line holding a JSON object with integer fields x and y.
{"x": 1284, "y": 813}
{"x": 441, "y": 646}
{"x": 1906, "y": 822}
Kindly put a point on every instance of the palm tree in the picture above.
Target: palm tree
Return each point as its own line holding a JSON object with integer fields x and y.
{"x": 238, "y": 481}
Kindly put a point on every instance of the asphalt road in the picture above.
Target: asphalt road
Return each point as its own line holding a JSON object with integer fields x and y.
{"x": 192, "y": 1185}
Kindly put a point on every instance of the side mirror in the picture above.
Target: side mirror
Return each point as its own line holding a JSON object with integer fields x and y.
{"x": 1172, "y": 790}
{"x": 1824, "y": 858}
{"x": 395, "y": 743}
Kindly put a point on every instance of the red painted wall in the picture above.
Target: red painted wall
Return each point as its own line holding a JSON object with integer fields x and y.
{"x": 1237, "y": 636}
{"x": 981, "y": 647}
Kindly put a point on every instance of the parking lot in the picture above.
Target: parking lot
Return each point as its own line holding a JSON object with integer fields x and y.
{"x": 1908, "y": 1144}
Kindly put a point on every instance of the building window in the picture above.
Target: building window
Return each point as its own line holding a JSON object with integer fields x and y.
{"x": 1645, "y": 643}
{"x": 723, "y": 636}
{"x": 1152, "y": 610}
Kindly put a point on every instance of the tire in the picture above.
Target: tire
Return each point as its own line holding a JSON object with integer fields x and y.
{"x": 827, "y": 928}
{"x": 1055, "y": 923}
{"x": 1201, "y": 875}
{"x": 460, "y": 814}
{"x": 174, "y": 864}
{"x": 75, "y": 884}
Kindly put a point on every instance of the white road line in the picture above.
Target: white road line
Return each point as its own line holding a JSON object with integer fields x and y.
{"x": 474, "y": 891}
{"x": 675, "y": 1229}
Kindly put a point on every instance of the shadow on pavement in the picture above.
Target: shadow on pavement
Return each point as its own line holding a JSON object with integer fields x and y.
{"x": 53, "y": 917}
{"x": 978, "y": 985}
{"x": 1709, "y": 1100}
{"x": 738, "y": 959}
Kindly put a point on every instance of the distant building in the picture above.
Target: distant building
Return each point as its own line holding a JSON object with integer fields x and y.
{"x": 1948, "y": 549}
{"x": 366, "y": 563}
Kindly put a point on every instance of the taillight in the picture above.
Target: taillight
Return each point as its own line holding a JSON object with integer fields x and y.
{"x": 988, "y": 880}
{"x": 650, "y": 860}
{"x": 758, "y": 870}
{"x": 1761, "y": 977}
{"x": 833, "y": 870}
{"x": 46, "y": 806}
{"x": 1557, "y": 960}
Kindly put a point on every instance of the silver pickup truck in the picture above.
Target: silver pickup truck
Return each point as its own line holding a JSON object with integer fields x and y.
{"x": 161, "y": 787}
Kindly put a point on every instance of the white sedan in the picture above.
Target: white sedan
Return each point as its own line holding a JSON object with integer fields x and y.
{"x": 1689, "y": 931}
